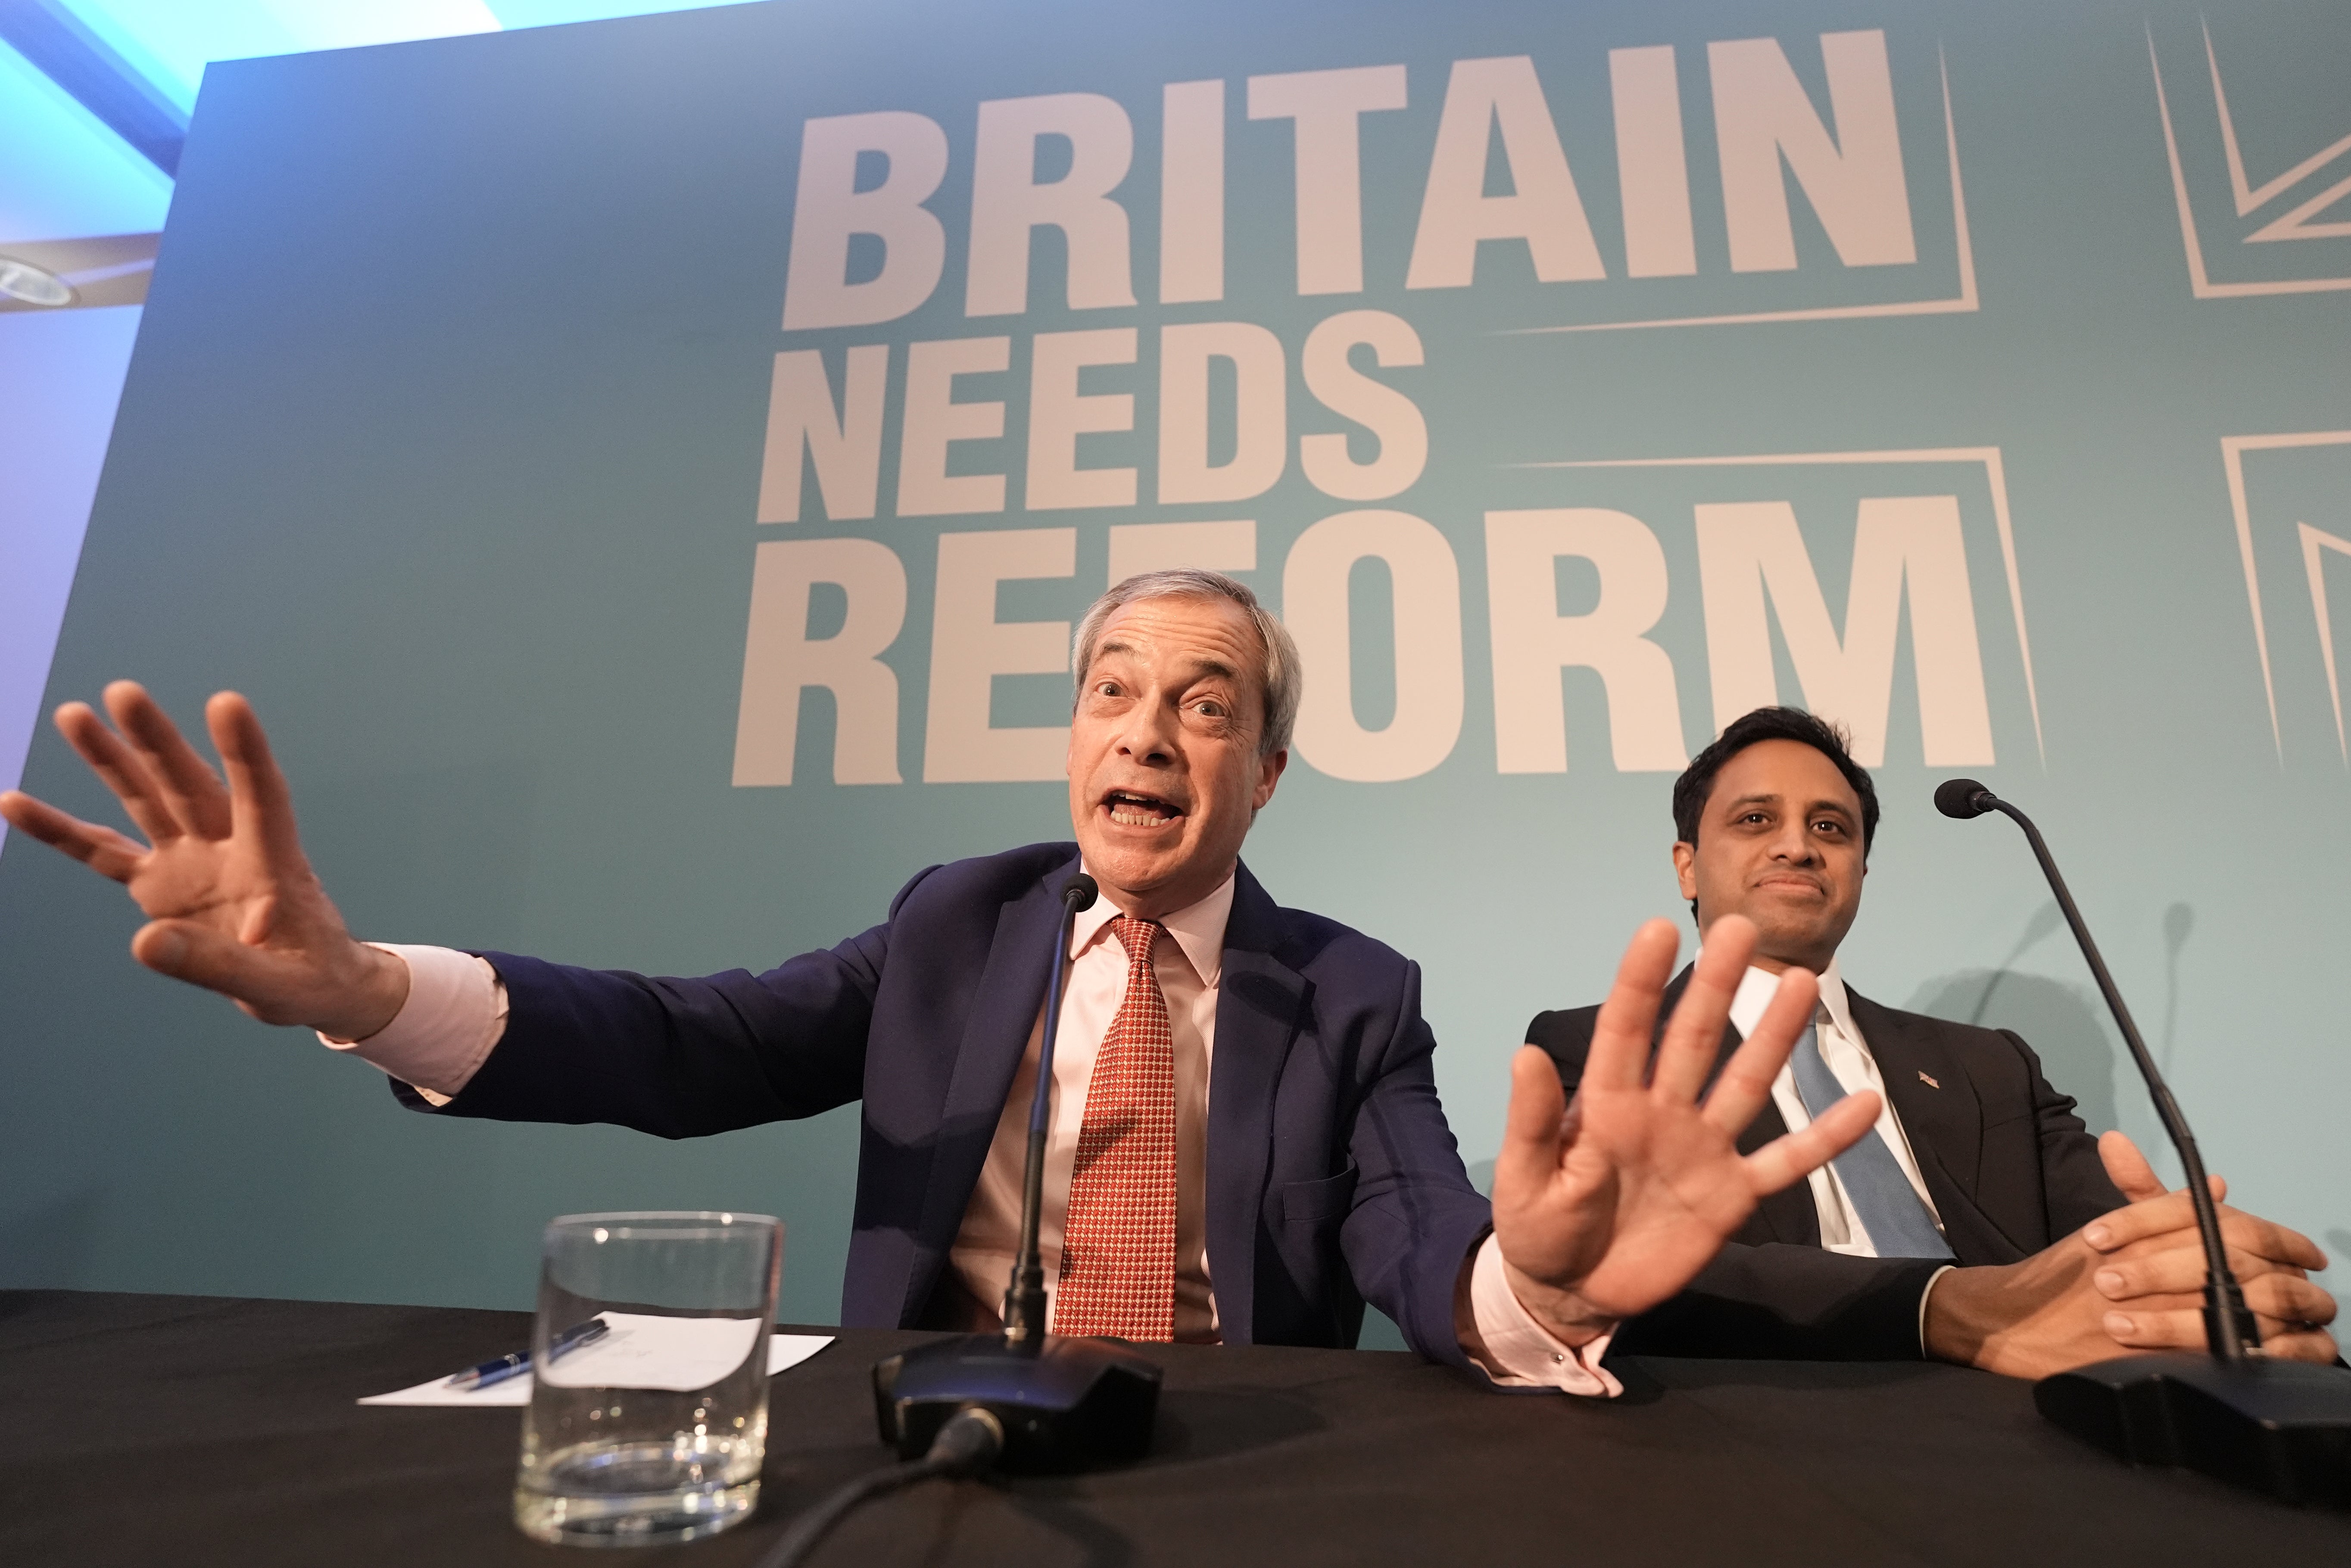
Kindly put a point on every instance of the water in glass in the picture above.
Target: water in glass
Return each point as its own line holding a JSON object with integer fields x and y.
{"x": 656, "y": 1431}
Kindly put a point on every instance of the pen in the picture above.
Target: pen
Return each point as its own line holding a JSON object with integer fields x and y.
{"x": 506, "y": 1366}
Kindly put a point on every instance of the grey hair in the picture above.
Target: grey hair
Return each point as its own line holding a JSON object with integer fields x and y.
{"x": 1282, "y": 675}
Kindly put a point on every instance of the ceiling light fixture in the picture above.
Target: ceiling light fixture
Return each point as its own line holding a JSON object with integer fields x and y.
{"x": 25, "y": 282}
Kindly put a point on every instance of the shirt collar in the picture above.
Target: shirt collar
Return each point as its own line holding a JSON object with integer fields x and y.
{"x": 1198, "y": 929}
{"x": 1758, "y": 986}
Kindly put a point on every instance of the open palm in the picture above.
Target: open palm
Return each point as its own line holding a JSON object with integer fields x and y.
{"x": 1606, "y": 1207}
{"x": 231, "y": 900}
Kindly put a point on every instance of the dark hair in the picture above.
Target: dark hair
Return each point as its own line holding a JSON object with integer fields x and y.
{"x": 1692, "y": 790}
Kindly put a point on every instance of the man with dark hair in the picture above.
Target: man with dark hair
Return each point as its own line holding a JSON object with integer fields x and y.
{"x": 1979, "y": 1222}
{"x": 1696, "y": 782}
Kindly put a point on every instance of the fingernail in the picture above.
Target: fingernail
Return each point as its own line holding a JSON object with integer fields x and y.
{"x": 168, "y": 948}
{"x": 2110, "y": 1281}
{"x": 2118, "y": 1326}
{"x": 2097, "y": 1235}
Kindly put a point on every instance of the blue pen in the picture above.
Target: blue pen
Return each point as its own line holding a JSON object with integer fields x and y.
{"x": 506, "y": 1366}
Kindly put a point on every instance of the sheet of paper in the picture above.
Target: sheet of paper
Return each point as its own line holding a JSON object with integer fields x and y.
{"x": 784, "y": 1351}
{"x": 646, "y": 1351}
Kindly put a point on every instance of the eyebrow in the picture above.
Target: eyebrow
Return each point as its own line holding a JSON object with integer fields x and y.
{"x": 1839, "y": 807}
{"x": 1200, "y": 668}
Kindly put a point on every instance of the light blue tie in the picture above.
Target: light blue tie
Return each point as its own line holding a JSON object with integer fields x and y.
{"x": 1882, "y": 1197}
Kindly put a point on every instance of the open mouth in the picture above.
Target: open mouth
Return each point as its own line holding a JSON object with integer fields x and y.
{"x": 1130, "y": 808}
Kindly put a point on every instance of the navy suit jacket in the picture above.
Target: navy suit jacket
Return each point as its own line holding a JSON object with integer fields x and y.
{"x": 1332, "y": 1178}
{"x": 2012, "y": 1168}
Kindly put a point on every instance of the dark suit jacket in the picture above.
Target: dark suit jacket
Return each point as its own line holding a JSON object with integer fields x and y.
{"x": 2009, "y": 1164}
{"x": 1332, "y": 1176}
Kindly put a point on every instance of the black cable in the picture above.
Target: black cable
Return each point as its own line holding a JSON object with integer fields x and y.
{"x": 966, "y": 1445}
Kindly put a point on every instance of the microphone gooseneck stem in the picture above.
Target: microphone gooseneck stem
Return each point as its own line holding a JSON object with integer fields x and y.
{"x": 1024, "y": 1298}
{"x": 2229, "y": 1328}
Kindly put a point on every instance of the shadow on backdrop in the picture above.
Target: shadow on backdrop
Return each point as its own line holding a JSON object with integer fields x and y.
{"x": 2066, "y": 1024}
{"x": 2178, "y": 922}
{"x": 2060, "y": 1021}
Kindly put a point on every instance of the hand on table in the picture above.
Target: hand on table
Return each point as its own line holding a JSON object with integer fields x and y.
{"x": 1606, "y": 1207}
{"x": 2129, "y": 1281}
{"x": 231, "y": 900}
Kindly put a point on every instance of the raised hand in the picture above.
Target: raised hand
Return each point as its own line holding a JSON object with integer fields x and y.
{"x": 231, "y": 900}
{"x": 1604, "y": 1207}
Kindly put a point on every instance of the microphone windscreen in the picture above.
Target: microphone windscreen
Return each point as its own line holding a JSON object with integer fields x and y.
{"x": 1081, "y": 891}
{"x": 1960, "y": 798}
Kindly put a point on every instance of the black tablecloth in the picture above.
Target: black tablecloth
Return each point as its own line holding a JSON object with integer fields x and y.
{"x": 151, "y": 1430}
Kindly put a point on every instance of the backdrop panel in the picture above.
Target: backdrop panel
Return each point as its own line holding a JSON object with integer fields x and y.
{"x": 645, "y": 471}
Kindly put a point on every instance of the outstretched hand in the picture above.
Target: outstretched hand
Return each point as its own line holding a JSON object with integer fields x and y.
{"x": 1606, "y": 1207}
{"x": 232, "y": 903}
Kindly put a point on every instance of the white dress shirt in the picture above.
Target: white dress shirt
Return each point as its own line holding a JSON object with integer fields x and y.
{"x": 455, "y": 1014}
{"x": 1850, "y": 1062}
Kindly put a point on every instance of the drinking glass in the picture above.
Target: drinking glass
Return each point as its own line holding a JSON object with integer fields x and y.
{"x": 652, "y": 1430}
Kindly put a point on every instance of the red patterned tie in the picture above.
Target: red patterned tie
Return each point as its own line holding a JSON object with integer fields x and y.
{"x": 1118, "y": 1247}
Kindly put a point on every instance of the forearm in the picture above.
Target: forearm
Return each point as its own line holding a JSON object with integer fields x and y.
{"x": 453, "y": 1011}
{"x": 373, "y": 993}
{"x": 2026, "y": 1319}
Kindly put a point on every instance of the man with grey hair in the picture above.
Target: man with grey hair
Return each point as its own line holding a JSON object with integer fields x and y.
{"x": 1245, "y": 1144}
{"x": 1281, "y": 676}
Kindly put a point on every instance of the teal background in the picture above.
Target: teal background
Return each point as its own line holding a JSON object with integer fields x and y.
{"x": 441, "y": 438}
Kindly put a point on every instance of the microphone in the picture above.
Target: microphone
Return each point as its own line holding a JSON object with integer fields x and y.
{"x": 1063, "y": 1403}
{"x": 2280, "y": 1427}
{"x": 2228, "y": 1326}
{"x": 1024, "y": 1297}
{"x": 1964, "y": 798}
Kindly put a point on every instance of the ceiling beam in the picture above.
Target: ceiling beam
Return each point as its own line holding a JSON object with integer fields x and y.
{"x": 61, "y": 48}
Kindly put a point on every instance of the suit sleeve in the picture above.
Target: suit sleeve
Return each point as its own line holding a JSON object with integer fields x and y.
{"x": 1787, "y": 1303}
{"x": 2075, "y": 1184}
{"x": 1415, "y": 1219}
{"x": 1763, "y": 1299}
{"x": 678, "y": 1057}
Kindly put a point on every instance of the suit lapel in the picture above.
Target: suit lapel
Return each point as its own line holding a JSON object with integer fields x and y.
{"x": 1261, "y": 1003}
{"x": 1940, "y": 1114}
{"x": 1005, "y": 1006}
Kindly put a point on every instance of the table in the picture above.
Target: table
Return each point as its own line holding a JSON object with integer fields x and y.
{"x": 147, "y": 1430}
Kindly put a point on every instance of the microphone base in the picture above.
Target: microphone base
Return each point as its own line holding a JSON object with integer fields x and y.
{"x": 1067, "y": 1405}
{"x": 2283, "y": 1428}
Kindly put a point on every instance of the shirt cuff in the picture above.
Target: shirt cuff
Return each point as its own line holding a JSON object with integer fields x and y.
{"x": 1933, "y": 1279}
{"x": 1517, "y": 1352}
{"x": 455, "y": 1011}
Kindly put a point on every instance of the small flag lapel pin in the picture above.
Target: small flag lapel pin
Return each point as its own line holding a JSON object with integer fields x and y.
{"x": 1927, "y": 1081}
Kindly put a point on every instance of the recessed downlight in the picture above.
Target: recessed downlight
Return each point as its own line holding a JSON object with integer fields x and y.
{"x": 24, "y": 282}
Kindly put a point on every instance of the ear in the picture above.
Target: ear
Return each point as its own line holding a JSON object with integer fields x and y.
{"x": 1269, "y": 774}
{"x": 1686, "y": 870}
